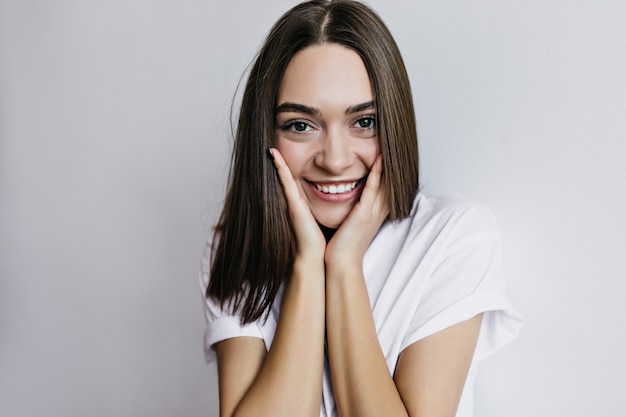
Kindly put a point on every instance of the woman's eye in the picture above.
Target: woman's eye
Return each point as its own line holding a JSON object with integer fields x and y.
{"x": 297, "y": 126}
{"x": 368, "y": 122}
{"x": 300, "y": 126}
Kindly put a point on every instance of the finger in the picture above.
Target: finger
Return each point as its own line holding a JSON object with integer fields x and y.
{"x": 298, "y": 207}
{"x": 284, "y": 175}
{"x": 308, "y": 234}
{"x": 376, "y": 172}
{"x": 372, "y": 188}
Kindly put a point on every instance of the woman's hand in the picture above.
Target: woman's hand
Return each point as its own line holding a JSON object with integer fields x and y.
{"x": 353, "y": 237}
{"x": 309, "y": 237}
{"x": 351, "y": 334}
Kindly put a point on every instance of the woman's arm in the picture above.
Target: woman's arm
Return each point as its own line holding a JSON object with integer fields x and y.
{"x": 430, "y": 373}
{"x": 362, "y": 383}
{"x": 287, "y": 380}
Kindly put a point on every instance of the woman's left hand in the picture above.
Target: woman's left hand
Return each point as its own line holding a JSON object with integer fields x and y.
{"x": 352, "y": 239}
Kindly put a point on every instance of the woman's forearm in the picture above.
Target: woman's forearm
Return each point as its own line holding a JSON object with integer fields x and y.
{"x": 361, "y": 380}
{"x": 289, "y": 382}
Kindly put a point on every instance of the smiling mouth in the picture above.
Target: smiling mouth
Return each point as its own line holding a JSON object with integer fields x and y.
{"x": 337, "y": 188}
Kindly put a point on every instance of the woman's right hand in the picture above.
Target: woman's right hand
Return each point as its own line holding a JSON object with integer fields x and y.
{"x": 311, "y": 243}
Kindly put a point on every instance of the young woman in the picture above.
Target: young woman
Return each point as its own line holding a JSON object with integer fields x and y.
{"x": 333, "y": 287}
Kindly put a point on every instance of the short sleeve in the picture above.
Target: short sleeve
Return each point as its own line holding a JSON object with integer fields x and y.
{"x": 220, "y": 324}
{"x": 467, "y": 280}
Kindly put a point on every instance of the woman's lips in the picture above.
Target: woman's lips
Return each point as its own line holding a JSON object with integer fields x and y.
{"x": 337, "y": 191}
{"x": 338, "y": 188}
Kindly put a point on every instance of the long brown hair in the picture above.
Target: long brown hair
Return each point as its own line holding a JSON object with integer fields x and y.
{"x": 254, "y": 244}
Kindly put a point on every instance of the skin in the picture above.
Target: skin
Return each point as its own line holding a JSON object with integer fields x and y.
{"x": 326, "y": 127}
{"x": 325, "y": 136}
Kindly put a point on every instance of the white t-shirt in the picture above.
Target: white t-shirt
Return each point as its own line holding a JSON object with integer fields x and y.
{"x": 438, "y": 267}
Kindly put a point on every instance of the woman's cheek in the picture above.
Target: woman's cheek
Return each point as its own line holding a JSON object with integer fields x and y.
{"x": 373, "y": 154}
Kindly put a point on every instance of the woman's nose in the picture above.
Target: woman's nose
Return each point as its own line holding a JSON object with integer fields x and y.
{"x": 335, "y": 154}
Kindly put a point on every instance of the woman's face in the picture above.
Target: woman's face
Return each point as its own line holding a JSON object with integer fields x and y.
{"x": 326, "y": 128}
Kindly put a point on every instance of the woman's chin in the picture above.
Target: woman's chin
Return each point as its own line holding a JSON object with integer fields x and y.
{"x": 331, "y": 223}
{"x": 331, "y": 217}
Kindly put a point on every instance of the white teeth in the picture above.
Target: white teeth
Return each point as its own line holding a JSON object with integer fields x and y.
{"x": 337, "y": 188}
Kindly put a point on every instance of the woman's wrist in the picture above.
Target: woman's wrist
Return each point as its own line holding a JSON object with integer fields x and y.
{"x": 341, "y": 259}
{"x": 307, "y": 263}
{"x": 344, "y": 267}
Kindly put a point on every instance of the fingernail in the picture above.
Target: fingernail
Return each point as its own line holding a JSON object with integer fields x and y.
{"x": 269, "y": 154}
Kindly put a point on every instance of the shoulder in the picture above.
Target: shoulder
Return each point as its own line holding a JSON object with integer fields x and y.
{"x": 458, "y": 245}
{"x": 437, "y": 228}
{"x": 450, "y": 217}
{"x": 453, "y": 208}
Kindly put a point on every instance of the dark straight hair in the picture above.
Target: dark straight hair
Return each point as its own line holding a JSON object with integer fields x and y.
{"x": 254, "y": 245}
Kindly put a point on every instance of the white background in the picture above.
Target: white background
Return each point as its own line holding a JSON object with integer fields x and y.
{"x": 114, "y": 147}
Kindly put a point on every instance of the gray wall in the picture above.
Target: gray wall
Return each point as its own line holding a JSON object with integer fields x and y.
{"x": 113, "y": 154}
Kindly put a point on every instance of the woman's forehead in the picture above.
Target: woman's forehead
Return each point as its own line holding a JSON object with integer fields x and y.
{"x": 327, "y": 74}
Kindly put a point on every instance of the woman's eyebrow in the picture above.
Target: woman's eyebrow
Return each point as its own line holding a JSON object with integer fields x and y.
{"x": 314, "y": 111}
{"x": 298, "y": 108}
{"x": 360, "y": 107}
